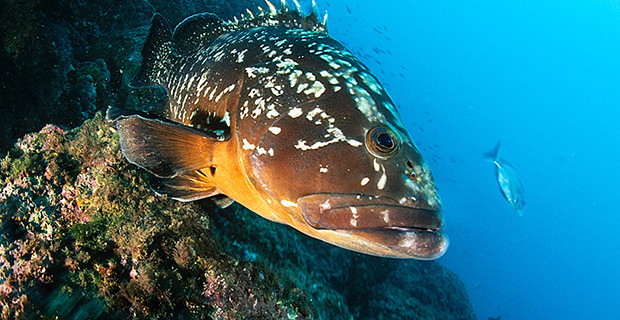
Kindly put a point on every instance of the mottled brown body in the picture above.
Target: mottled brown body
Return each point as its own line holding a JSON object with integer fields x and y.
{"x": 278, "y": 116}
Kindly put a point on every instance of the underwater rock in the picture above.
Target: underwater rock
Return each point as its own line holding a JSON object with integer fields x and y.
{"x": 82, "y": 236}
{"x": 61, "y": 61}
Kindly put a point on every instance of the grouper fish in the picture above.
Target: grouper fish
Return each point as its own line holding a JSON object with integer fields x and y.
{"x": 271, "y": 112}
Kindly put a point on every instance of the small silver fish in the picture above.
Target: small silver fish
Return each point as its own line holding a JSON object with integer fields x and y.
{"x": 510, "y": 183}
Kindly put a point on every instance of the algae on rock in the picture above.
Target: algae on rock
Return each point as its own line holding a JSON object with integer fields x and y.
{"x": 82, "y": 236}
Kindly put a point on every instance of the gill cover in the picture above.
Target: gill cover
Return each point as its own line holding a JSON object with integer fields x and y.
{"x": 311, "y": 149}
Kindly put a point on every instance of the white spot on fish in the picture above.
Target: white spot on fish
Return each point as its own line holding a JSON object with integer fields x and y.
{"x": 302, "y": 86}
{"x": 353, "y": 222}
{"x": 228, "y": 89}
{"x": 325, "y": 206}
{"x": 272, "y": 114}
{"x": 294, "y": 76}
{"x": 288, "y": 204}
{"x": 370, "y": 82}
{"x": 337, "y": 135}
{"x": 317, "y": 89}
{"x": 260, "y": 106}
{"x": 277, "y": 91}
{"x": 334, "y": 65}
{"x": 254, "y": 92}
{"x": 323, "y": 170}
{"x": 408, "y": 240}
{"x": 354, "y": 211}
{"x": 365, "y": 181}
{"x": 286, "y": 64}
{"x": 240, "y": 57}
{"x": 313, "y": 113}
{"x": 212, "y": 93}
{"x": 247, "y": 145}
{"x": 382, "y": 180}
{"x": 275, "y": 130}
{"x": 251, "y": 71}
{"x": 261, "y": 150}
{"x": 226, "y": 118}
{"x": 333, "y": 132}
{"x": 386, "y": 217}
{"x": 202, "y": 83}
{"x": 327, "y": 58}
{"x": 295, "y": 112}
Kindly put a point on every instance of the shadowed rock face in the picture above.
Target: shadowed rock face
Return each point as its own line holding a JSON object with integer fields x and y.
{"x": 82, "y": 233}
{"x": 61, "y": 61}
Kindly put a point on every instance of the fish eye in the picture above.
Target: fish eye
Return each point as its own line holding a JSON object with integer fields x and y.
{"x": 382, "y": 142}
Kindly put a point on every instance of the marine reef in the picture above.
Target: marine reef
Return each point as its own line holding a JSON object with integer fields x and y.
{"x": 82, "y": 235}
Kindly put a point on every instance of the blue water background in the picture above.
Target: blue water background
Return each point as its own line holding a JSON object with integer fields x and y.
{"x": 544, "y": 78}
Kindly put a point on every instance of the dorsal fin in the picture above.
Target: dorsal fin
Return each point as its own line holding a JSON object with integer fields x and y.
{"x": 291, "y": 17}
{"x": 162, "y": 44}
{"x": 155, "y": 54}
{"x": 196, "y": 30}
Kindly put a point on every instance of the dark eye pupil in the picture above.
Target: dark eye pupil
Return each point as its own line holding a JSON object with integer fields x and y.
{"x": 381, "y": 142}
{"x": 385, "y": 140}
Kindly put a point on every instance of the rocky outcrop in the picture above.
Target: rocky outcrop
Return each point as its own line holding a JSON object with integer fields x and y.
{"x": 61, "y": 61}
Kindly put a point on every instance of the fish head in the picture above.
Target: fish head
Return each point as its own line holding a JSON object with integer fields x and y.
{"x": 346, "y": 168}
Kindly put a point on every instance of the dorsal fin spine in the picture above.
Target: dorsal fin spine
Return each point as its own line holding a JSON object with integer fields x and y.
{"x": 284, "y": 17}
{"x": 196, "y": 30}
{"x": 162, "y": 44}
{"x": 272, "y": 8}
{"x": 298, "y": 7}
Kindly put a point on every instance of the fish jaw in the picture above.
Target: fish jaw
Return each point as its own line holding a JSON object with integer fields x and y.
{"x": 377, "y": 225}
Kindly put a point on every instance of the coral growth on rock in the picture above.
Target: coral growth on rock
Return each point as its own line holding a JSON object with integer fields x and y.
{"x": 82, "y": 236}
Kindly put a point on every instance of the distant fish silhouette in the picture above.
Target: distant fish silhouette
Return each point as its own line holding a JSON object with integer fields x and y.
{"x": 510, "y": 183}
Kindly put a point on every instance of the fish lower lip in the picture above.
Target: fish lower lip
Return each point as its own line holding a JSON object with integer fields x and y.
{"x": 342, "y": 212}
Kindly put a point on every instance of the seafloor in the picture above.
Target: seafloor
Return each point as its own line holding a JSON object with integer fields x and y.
{"x": 83, "y": 237}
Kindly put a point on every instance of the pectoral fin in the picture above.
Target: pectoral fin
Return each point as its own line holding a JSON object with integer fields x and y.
{"x": 164, "y": 148}
{"x": 186, "y": 187}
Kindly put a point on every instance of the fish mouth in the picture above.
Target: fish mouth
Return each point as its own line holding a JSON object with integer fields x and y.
{"x": 361, "y": 212}
{"x": 378, "y": 225}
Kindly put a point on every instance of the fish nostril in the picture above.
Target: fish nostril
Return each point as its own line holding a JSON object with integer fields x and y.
{"x": 411, "y": 174}
{"x": 409, "y": 164}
